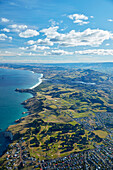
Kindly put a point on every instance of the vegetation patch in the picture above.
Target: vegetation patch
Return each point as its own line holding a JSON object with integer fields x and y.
{"x": 100, "y": 133}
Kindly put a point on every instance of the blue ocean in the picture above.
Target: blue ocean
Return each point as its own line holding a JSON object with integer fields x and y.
{"x": 10, "y": 101}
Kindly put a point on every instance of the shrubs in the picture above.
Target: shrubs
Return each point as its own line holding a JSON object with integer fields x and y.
{"x": 97, "y": 139}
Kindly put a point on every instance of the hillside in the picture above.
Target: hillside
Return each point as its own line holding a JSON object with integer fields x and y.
{"x": 64, "y": 116}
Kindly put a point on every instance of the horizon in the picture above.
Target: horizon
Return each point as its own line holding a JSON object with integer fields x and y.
{"x": 56, "y": 31}
{"x": 60, "y": 63}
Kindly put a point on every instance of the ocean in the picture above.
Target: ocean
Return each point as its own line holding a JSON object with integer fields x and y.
{"x": 10, "y": 101}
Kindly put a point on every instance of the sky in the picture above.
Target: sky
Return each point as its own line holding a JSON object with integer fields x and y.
{"x": 56, "y": 31}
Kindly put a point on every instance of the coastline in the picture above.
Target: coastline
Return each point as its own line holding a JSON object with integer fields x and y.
{"x": 31, "y": 88}
{"x": 40, "y": 81}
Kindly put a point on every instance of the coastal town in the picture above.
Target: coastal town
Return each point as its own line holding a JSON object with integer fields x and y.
{"x": 56, "y": 84}
{"x": 68, "y": 126}
{"x": 99, "y": 158}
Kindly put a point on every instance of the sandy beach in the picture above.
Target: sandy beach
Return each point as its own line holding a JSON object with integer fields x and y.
{"x": 40, "y": 81}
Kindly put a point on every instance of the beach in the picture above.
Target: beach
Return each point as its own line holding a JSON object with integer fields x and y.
{"x": 40, "y": 81}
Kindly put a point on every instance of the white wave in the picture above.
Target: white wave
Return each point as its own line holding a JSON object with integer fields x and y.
{"x": 32, "y": 71}
{"x": 40, "y": 81}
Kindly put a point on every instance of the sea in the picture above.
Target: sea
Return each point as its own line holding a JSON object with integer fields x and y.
{"x": 10, "y": 100}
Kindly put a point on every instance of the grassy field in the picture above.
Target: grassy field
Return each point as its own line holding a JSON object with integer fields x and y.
{"x": 100, "y": 133}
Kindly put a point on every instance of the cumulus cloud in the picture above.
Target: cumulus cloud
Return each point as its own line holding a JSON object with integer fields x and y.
{"x": 23, "y": 48}
{"x": 110, "y": 20}
{"x": 78, "y": 16}
{"x": 45, "y": 41}
{"x": 50, "y": 32}
{"x": 10, "y": 38}
{"x": 18, "y": 28}
{"x": 89, "y": 37}
{"x": 59, "y": 52}
{"x": 80, "y": 19}
{"x": 31, "y": 48}
{"x": 95, "y": 52}
{"x": 4, "y": 37}
{"x": 4, "y": 20}
{"x": 43, "y": 47}
{"x": 34, "y": 48}
{"x": 107, "y": 44}
{"x": 29, "y": 33}
{"x": 5, "y": 30}
{"x": 31, "y": 42}
{"x": 80, "y": 22}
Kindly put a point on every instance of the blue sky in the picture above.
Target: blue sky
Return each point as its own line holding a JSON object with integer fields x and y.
{"x": 56, "y": 31}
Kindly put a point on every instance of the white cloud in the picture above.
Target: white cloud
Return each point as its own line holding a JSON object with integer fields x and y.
{"x": 31, "y": 42}
{"x": 63, "y": 29}
{"x": 7, "y": 52}
{"x": 19, "y": 54}
{"x": 29, "y": 33}
{"x": 11, "y": 54}
{"x": 31, "y": 48}
{"x": 50, "y": 32}
{"x": 34, "y": 48}
{"x": 110, "y": 20}
{"x": 33, "y": 54}
{"x": 95, "y": 52}
{"x": 4, "y": 20}
{"x": 78, "y": 16}
{"x": 91, "y": 16}
{"x": 79, "y": 19}
{"x": 10, "y": 38}
{"x": 3, "y": 37}
{"x": 53, "y": 22}
{"x": 18, "y": 28}
{"x": 89, "y": 37}
{"x": 5, "y": 30}
{"x": 107, "y": 44}
{"x": 43, "y": 47}
{"x": 45, "y": 41}
{"x": 80, "y": 22}
{"x": 58, "y": 52}
{"x": 23, "y": 48}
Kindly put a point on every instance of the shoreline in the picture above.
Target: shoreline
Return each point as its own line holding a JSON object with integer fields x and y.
{"x": 40, "y": 81}
{"x": 31, "y": 88}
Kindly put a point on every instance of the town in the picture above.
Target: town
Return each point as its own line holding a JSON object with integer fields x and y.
{"x": 99, "y": 158}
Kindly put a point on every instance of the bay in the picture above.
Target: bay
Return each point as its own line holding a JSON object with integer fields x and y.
{"x": 10, "y": 101}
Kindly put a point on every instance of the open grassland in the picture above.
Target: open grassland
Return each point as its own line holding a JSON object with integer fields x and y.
{"x": 100, "y": 133}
